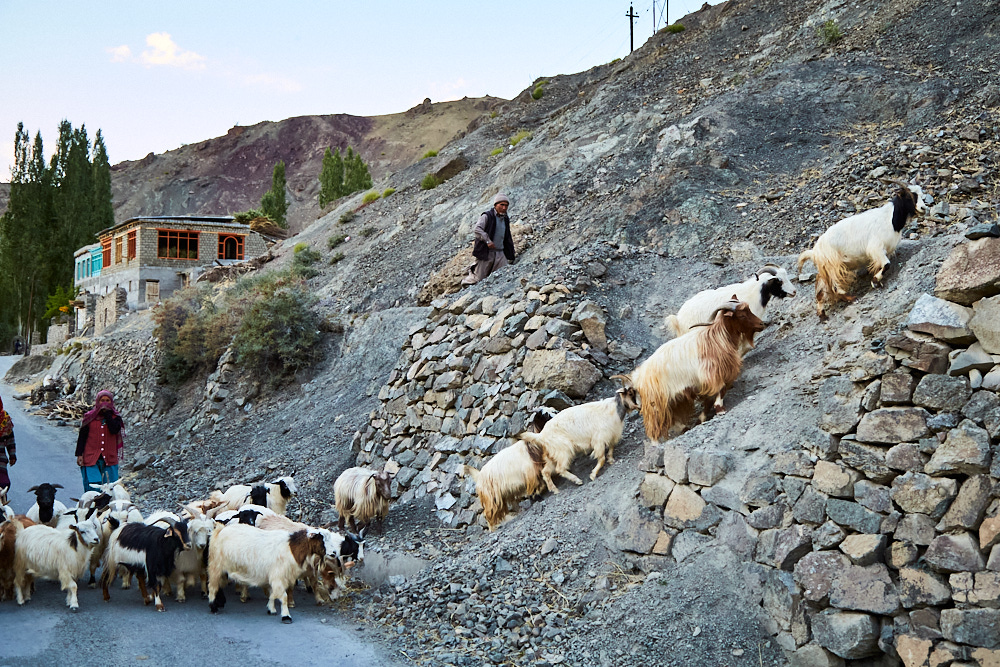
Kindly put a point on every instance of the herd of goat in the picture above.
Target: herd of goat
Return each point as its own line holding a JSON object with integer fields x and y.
{"x": 242, "y": 535}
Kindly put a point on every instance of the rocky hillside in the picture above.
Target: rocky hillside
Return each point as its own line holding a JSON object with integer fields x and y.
{"x": 805, "y": 526}
{"x": 227, "y": 174}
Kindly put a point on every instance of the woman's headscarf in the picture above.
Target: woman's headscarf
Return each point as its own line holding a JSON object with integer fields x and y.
{"x": 94, "y": 412}
{"x": 6, "y": 427}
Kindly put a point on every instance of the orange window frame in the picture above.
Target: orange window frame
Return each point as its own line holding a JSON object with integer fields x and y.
{"x": 222, "y": 245}
{"x": 130, "y": 254}
{"x": 177, "y": 244}
{"x": 106, "y": 252}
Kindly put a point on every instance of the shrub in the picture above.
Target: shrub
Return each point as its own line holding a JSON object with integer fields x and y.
{"x": 347, "y": 217}
{"x": 192, "y": 334}
{"x": 336, "y": 257}
{"x": 278, "y": 334}
{"x": 430, "y": 182}
{"x": 537, "y": 93}
{"x": 303, "y": 260}
{"x": 829, "y": 32}
{"x": 367, "y": 231}
{"x": 675, "y": 28}
{"x": 517, "y": 138}
{"x": 494, "y": 113}
{"x": 369, "y": 198}
{"x": 428, "y": 154}
{"x": 616, "y": 60}
{"x": 496, "y": 151}
{"x": 387, "y": 192}
{"x": 335, "y": 241}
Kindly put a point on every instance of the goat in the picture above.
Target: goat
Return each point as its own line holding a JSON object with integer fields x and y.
{"x": 254, "y": 557}
{"x": 46, "y": 508}
{"x": 513, "y": 473}
{"x": 273, "y": 495}
{"x": 51, "y": 553}
{"x": 148, "y": 551}
{"x": 867, "y": 238}
{"x": 702, "y": 363}
{"x": 325, "y": 577}
{"x": 189, "y": 565}
{"x": 771, "y": 281}
{"x": 593, "y": 428}
{"x": 362, "y": 494}
{"x": 8, "y": 534}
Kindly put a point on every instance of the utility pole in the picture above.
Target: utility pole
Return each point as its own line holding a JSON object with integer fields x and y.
{"x": 631, "y": 28}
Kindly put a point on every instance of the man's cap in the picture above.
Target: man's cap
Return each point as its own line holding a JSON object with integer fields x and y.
{"x": 500, "y": 198}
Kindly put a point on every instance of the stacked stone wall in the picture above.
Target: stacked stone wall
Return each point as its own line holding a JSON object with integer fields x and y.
{"x": 885, "y": 537}
{"x": 467, "y": 381}
{"x": 109, "y": 308}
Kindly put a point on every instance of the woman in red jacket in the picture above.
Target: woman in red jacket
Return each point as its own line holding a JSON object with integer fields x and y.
{"x": 99, "y": 445}
{"x": 7, "y": 452}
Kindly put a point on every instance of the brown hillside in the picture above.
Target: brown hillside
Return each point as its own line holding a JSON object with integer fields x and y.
{"x": 230, "y": 173}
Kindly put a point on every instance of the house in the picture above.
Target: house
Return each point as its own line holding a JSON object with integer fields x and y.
{"x": 150, "y": 257}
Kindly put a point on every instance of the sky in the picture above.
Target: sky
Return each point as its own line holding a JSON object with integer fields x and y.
{"x": 153, "y": 76}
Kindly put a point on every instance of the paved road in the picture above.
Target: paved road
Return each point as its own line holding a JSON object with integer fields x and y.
{"x": 45, "y": 452}
{"x": 124, "y": 631}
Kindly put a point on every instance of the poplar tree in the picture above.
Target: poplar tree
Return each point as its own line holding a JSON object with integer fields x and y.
{"x": 331, "y": 178}
{"x": 274, "y": 204}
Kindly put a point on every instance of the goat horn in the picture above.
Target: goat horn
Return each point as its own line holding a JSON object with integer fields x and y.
{"x": 625, "y": 380}
{"x": 729, "y": 306}
{"x": 768, "y": 268}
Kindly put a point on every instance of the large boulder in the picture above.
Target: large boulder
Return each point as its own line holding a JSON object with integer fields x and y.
{"x": 966, "y": 450}
{"x": 942, "y": 319}
{"x": 942, "y": 392}
{"x": 849, "y": 634}
{"x": 986, "y": 323}
{"x": 840, "y": 401}
{"x": 971, "y": 272}
{"x": 560, "y": 369}
{"x": 591, "y": 319}
{"x": 893, "y": 425}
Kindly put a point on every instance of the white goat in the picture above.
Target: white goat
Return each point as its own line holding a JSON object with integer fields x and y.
{"x": 254, "y": 557}
{"x": 513, "y": 473}
{"x": 770, "y": 281}
{"x": 189, "y": 564}
{"x": 273, "y": 495}
{"x": 864, "y": 239}
{"x": 46, "y": 509}
{"x": 51, "y": 553}
{"x": 592, "y": 428}
{"x": 362, "y": 494}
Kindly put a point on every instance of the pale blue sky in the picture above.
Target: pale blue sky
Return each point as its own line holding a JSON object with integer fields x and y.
{"x": 156, "y": 75}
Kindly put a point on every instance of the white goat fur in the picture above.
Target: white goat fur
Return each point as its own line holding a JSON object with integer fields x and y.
{"x": 50, "y": 553}
{"x": 863, "y": 239}
{"x": 700, "y": 307}
{"x": 356, "y": 496}
{"x": 513, "y": 473}
{"x": 239, "y": 495}
{"x": 313, "y": 577}
{"x": 57, "y": 510}
{"x": 592, "y": 428}
{"x": 253, "y": 557}
{"x": 189, "y": 567}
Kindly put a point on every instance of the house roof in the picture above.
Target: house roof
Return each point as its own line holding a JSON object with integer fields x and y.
{"x": 87, "y": 249}
{"x": 225, "y": 221}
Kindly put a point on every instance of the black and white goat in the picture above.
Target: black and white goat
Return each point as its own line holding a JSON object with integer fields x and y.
{"x": 148, "y": 551}
{"x": 46, "y": 509}
{"x": 770, "y": 282}
{"x": 273, "y": 495}
{"x": 865, "y": 239}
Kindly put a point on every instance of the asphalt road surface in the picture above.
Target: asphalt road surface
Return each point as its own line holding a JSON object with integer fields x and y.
{"x": 126, "y": 632}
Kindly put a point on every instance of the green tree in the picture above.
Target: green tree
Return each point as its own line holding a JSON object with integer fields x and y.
{"x": 103, "y": 211}
{"x": 331, "y": 178}
{"x": 274, "y": 204}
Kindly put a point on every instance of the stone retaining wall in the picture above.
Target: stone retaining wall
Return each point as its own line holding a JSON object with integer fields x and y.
{"x": 885, "y": 539}
{"x": 467, "y": 381}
